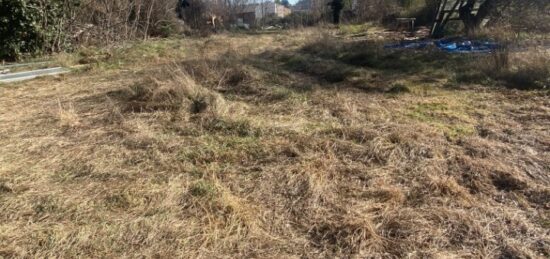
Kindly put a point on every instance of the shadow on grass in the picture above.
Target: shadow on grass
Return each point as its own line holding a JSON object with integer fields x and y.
{"x": 362, "y": 64}
{"x": 371, "y": 54}
{"x": 332, "y": 61}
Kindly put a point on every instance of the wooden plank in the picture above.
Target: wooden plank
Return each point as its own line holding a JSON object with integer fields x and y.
{"x": 457, "y": 4}
{"x": 438, "y": 17}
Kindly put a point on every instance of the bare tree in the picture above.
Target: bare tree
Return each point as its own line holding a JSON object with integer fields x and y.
{"x": 515, "y": 11}
{"x": 376, "y": 9}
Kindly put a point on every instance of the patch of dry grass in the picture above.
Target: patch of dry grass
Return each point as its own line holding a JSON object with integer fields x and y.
{"x": 226, "y": 150}
{"x": 525, "y": 70}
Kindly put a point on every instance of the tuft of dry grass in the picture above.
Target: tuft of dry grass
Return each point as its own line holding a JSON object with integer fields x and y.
{"x": 67, "y": 116}
{"x": 526, "y": 70}
{"x": 179, "y": 93}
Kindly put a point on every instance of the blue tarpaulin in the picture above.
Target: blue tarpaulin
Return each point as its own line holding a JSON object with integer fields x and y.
{"x": 452, "y": 45}
{"x": 466, "y": 46}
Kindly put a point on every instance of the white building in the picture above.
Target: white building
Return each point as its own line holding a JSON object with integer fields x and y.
{"x": 254, "y": 12}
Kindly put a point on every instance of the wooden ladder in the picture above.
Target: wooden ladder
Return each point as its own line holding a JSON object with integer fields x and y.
{"x": 448, "y": 11}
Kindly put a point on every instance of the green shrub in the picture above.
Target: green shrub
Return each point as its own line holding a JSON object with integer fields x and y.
{"x": 18, "y": 30}
{"x": 33, "y": 26}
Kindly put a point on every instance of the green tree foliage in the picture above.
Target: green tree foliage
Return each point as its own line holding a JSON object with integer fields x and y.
{"x": 19, "y": 31}
{"x": 33, "y": 26}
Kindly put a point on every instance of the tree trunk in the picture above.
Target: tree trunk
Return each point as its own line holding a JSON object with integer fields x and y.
{"x": 468, "y": 19}
{"x": 473, "y": 22}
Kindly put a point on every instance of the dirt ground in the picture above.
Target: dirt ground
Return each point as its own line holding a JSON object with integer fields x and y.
{"x": 289, "y": 145}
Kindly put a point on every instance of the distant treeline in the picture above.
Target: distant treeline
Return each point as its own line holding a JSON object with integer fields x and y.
{"x": 30, "y": 27}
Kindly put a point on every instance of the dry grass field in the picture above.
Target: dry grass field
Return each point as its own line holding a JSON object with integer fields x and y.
{"x": 290, "y": 145}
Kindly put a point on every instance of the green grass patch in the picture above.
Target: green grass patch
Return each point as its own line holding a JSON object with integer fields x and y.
{"x": 133, "y": 53}
{"x": 203, "y": 188}
{"x": 428, "y": 111}
{"x": 224, "y": 150}
{"x": 452, "y": 121}
{"x": 330, "y": 70}
{"x": 241, "y": 128}
{"x": 353, "y": 29}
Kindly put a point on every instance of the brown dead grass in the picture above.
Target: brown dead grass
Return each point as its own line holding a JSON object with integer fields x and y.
{"x": 229, "y": 152}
